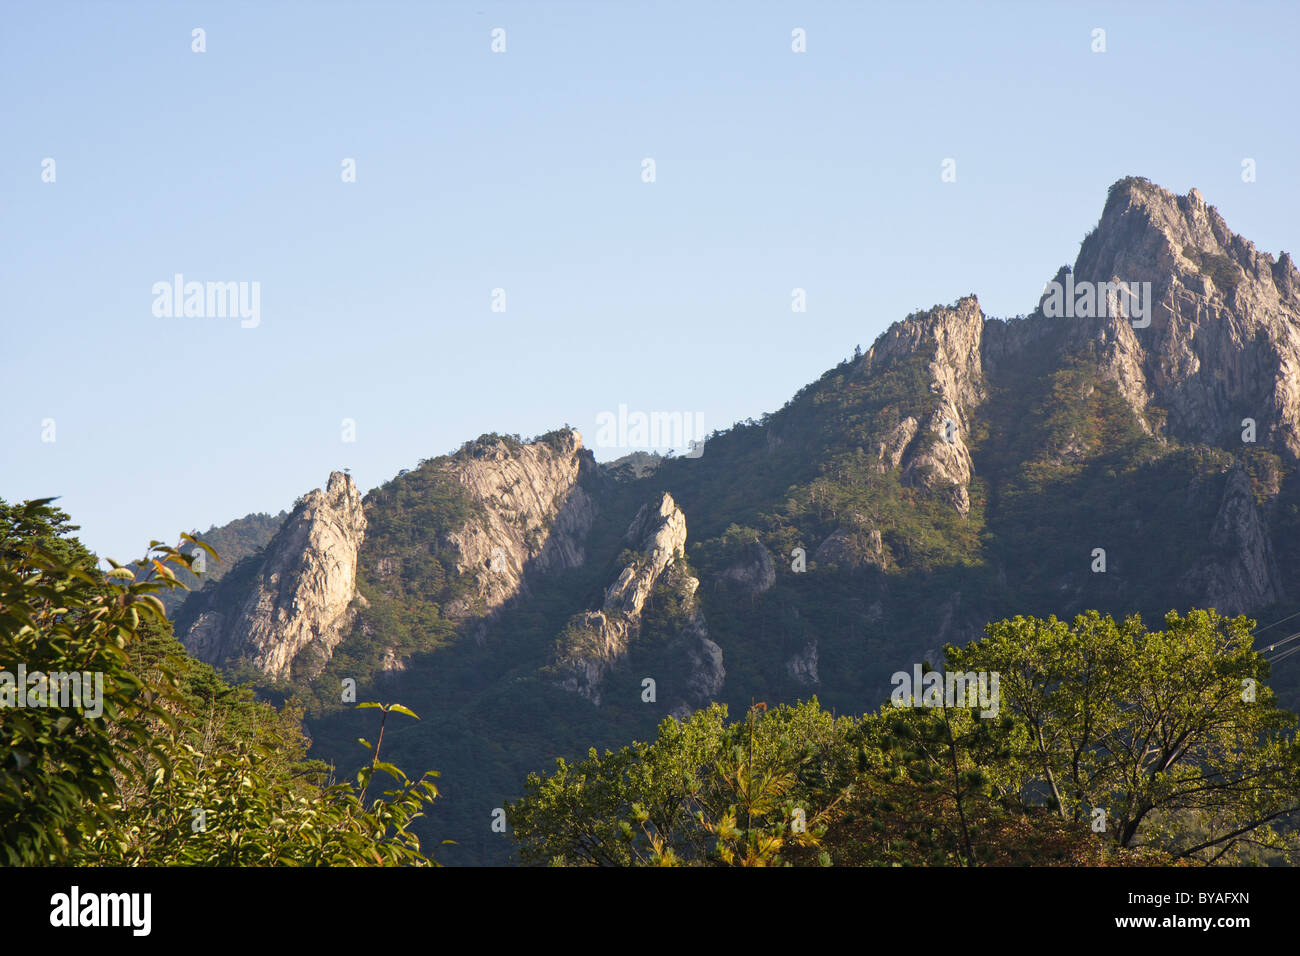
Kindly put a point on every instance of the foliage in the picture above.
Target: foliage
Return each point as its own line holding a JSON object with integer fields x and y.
{"x": 58, "y": 616}
{"x": 1151, "y": 726}
{"x": 180, "y": 768}
{"x": 233, "y": 541}
{"x": 1174, "y": 734}
{"x": 701, "y": 793}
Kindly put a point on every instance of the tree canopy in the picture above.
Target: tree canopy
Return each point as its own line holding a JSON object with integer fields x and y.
{"x": 162, "y": 763}
{"x": 1110, "y": 743}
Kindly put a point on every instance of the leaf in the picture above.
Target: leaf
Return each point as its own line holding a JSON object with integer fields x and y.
{"x": 202, "y": 544}
{"x": 390, "y": 769}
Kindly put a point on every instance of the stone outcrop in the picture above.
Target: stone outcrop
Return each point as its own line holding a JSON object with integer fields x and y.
{"x": 298, "y": 604}
{"x": 803, "y": 666}
{"x": 890, "y": 451}
{"x": 533, "y": 518}
{"x": 529, "y": 515}
{"x": 694, "y": 661}
{"x": 753, "y": 573}
{"x": 1222, "y": 345}
{"x": 597, "y": 641}
{"x": 932, "y": 451}
{"x": 1223, "y": 341}
{"x": 1239, "y": 574}
{"x": 852, "y": 547}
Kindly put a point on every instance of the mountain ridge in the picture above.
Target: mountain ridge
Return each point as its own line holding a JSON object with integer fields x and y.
{"x": 963, "y": 469}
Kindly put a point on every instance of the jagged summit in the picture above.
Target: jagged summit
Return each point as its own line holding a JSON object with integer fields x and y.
{"x": 471, "y": 528}
{"x": 1197, "y": 329}
{"x": 531, "y": 516}
{"x": 950, "y": 339}
{"x": 597, "y": 641}
{"x": 298, "y": 595}
{"x": 1218, "y": 347}
{"x": 1147, "y": 233}
{"x": 1223, "y": 342}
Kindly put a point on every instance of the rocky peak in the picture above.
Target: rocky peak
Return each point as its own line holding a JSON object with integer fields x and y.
{"x": 1223, "y": 342}
{"x": 1219, "y": 340}
{"x": 950, "y": 336}
{"x": 533, "y": 516}
{"x": 932, "y": 452}
{"x": 300, "y": 595}
{"x": 659, "y": 533}
{"x": 597, "y": 641}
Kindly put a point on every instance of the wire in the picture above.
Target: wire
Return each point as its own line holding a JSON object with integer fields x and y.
{"x": 1276, "y": 644}
{"x": 1276, "y": 623}
{"x": 1284, "y": 655}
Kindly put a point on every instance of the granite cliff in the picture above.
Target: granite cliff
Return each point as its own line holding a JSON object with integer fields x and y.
{"x": 298, "y": 595}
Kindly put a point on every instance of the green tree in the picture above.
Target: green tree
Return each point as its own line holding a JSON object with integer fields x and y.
{"x": 169, "y": 765}
{"x": 1168, "y": 738}
{"x": 701, "y": 793}
{"x": 59, "y": 616}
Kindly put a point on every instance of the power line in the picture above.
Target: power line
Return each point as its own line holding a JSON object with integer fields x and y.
{"x": 1277, "y": 644}
{"x": 1284, "y": 655}
{"x": 1276, "y": 623}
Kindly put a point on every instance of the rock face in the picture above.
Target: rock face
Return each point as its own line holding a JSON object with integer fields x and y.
{"x": 1240, "y": 573}
{"x": 754, "y": 572}
{"x": 528, "y": 515}
{"x": 1215, "y": 358}
{"x": 1223, "y": 341}
{"x": 803, "y": 666}
{"x": 693, "y": 660}
{"x": 659, "y": 532}
{"x": 932, "y": 451}
{"x": 301, "y": 593}
{"x": 853, "y": 546}
{"x": 596, "y": 641}
{"x": 534, "y": 518}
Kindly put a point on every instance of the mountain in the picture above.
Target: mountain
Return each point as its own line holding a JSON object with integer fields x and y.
{"x": 1129, "y": 446}
{"x": 596, "y": 642}
{"x": 295, "y": 598}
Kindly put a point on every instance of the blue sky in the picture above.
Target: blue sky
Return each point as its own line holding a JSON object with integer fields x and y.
{"x": 522, "y": 171}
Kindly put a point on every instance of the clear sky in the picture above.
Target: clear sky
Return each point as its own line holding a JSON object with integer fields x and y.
{"x": 523, "y": 171}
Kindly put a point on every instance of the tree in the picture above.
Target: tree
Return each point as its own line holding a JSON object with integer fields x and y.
{"x": 155, "y": 761}
{"x": 1169, "y": 738}
{"x": 701, "y": 793}
{"x": 945, "y": 750}
{"x": 1106, "y": 744}
{"x": 59, "y": 618}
